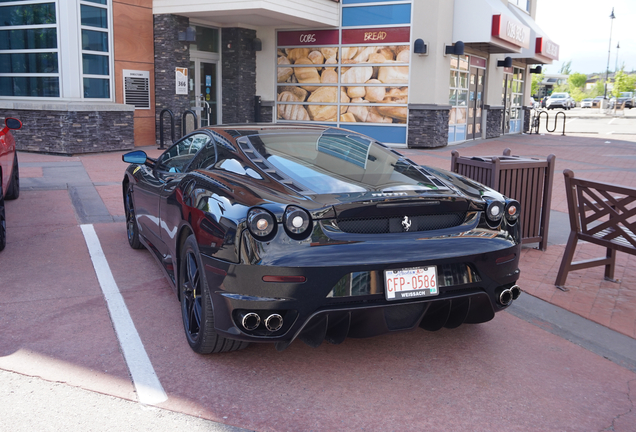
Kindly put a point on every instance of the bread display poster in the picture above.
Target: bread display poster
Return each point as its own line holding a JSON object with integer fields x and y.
{"x": 362, "y": 78}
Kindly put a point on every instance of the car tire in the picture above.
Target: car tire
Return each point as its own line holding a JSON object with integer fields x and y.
{"x": 13, "y": 189}
{"x": 196, "y": 305}
{"x": 3, "y": 222}
{"x": 132, "y": 229}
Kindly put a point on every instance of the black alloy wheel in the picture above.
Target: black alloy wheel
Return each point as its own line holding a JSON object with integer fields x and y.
{"x": 196, "y": 307}
{"x": 13, "y": 189}
{"x": 3, "y": 222}
{"x": 132, "y": 229}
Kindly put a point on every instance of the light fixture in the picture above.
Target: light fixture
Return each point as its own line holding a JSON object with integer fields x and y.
{"x": 257, "y": 44}
{"x": 507, "y": 62}
{"x": 420, "y": 47}
{"x": 189, "y": 35}
{"x": 612, "y": 18}
{"x": 456, "y": 49}
{"x": 536, "y": 70}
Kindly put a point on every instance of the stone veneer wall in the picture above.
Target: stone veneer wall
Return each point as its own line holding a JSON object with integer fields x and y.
{"x": 238, "y": 75}
{"x": 428, "y": 126}
{"x": 60, "y": 128}
{"x": 493, "y": 121}
{"x": 527, "y": 116}
{"x": 170, "y": 53}
{"x": 267, "y": 112}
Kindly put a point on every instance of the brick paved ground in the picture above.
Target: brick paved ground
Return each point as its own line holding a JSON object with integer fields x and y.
{"x": 600, "y": 159}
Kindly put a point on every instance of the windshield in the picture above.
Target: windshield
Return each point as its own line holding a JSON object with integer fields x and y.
{"x": 336, "y": 161}
{"x": 557, "y": 96}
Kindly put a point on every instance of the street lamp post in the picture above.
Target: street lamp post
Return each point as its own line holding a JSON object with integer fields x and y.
{"x": 618, "y": 45}
{"x": 609, "y": 50}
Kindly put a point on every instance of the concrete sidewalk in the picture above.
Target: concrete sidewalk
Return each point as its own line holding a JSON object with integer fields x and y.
{"x": 607, "y": 160}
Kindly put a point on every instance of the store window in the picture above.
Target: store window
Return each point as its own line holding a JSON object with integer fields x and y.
{"x": 458, "y": 99}
{"x": 360, "y": 80}
{"x": 32, "y": 44}
{"x": 513, "y": 97}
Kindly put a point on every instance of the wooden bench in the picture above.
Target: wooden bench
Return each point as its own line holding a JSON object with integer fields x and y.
{"x": 600, "y": 213}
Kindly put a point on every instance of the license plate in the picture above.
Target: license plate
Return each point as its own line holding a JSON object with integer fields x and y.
{"x": 410, "y": 283}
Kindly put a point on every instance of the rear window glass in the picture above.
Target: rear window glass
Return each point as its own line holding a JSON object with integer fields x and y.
{"x": 338, "y": 162}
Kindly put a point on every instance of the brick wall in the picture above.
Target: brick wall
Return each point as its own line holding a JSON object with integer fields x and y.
{"x": 72, "y": 132}
{"x": 493, "y": 122}
{"x": 170, "y": 53}
{"x": 428, "y": 127}
{"x": 238, "y": 75}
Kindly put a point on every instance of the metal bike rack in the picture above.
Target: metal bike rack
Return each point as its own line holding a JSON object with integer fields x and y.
{"x": 165, "y": 110}
{"x": 183, "y": 122}
{"x": 536, "y": 122}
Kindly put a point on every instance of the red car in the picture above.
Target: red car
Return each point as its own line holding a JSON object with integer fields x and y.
{"x": 9, "y": 176}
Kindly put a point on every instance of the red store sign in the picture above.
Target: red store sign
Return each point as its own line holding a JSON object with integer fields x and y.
{"x": 510, "y": 30}
{"x": 376, "y": 35}
{"x": 547, "y": 48}
{"x": 308, "y": 37}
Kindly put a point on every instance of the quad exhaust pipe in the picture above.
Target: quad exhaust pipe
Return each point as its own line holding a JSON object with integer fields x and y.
{"x": 508, "y": 295}
{"x": 274, "y": 322}
{"x": 251, "y": 321}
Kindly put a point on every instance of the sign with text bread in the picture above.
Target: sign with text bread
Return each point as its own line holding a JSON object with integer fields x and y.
{"x": 363, "y": 79}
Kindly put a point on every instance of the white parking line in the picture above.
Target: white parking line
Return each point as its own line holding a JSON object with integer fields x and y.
{"x": 147, "y": 385}
{"x": 610, "y": 122}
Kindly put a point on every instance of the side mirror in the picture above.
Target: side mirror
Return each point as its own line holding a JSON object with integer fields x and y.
{"x": 135, "y": 157}
{"x": 13, "y": 123}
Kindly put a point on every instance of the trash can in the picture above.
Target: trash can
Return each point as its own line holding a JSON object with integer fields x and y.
{"x": 526, "y": 179}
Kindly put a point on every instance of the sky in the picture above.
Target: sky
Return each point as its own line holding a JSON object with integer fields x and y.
{"x": 581, "y": 28}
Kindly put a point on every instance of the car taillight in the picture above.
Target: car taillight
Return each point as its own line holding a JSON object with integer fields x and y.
{"x": 261, "y": 223}
{"x": 297, "y": 222}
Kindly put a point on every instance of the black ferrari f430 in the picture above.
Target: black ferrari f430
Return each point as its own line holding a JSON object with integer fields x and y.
{"x": 271, "y": 233}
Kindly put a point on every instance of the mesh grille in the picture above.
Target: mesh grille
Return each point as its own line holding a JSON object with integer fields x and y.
{"x": 395, "y": 224}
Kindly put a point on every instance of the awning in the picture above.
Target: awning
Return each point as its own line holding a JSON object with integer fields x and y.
{"x": 542, "y": 50}
{"x": 488, "y": 25}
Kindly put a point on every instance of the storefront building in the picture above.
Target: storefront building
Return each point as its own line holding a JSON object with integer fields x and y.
{"x": 96, "y": 75}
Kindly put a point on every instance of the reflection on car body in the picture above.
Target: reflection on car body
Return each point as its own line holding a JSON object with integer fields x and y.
{"x": 276, "y": 233}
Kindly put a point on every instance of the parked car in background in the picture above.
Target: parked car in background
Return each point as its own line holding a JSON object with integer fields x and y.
{"x": 559, "y": 100}
{"x": 596, "y": 102}
{"x": 543, "y": 101}
{"x": 9, "y": 175}
{"x": 534, "y": 104}
{"x": 572, "y": 102}
{"x": 284, "y": 232}
{"x": 586, "y": 103}
{"x": 626, "y": 98}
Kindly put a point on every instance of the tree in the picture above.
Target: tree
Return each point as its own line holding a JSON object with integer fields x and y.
{"x": 623, "y": 83}
{"x": 577, "y": 80}
{"x": 566, "y": 68}
{"x": 537, "y": 79}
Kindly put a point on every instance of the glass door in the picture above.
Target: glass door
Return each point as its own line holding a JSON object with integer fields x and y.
{"x": 204, "y": 90}
{"x": 475, "y": 103}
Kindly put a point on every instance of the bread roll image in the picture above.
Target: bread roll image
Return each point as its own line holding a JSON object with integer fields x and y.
{"x": 348, "y": 118}
{"x": 376, "y": 58}
{"x": 375, "y": 94}
{"x": 329, "y": 76}
{"x": 387, "y": 53}
{"x": 393, "y": 74}
{"x": 398, "y": 92}
{"x": 306, "y": 75}
{"x": 362, "y": 56}
{"x": 349, "y": 52}
{"x": 291, "y": 112}
{"x": 293, "y": 54}
{"x": 323, "y": 112}
{"x": 356, "y": 92}
{"x": 316, "y": 57}
{"x": 400, "y": 48}
{"x": 398, "y": 113}
{"x": 284, "y": 72}
{"x": 298, "y": 92}
{"x": 330, "y": 54}
{"x": 344, "y": 98}
{"x": 375, "y": 117}
{"x": 403, "y": 56}
{"x": 359, "y": 112}
{"x": 357, "y": 75}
